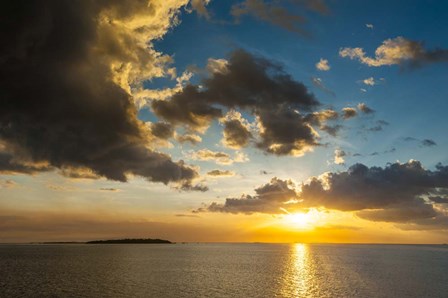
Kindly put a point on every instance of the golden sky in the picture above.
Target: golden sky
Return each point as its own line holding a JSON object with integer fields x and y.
{"x": 232, "y": 121}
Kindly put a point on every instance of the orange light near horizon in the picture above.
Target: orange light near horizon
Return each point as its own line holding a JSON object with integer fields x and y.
{"x": 303, "y": 220}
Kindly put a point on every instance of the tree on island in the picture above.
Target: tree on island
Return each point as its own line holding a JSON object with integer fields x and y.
{"x": 136, "y": 241}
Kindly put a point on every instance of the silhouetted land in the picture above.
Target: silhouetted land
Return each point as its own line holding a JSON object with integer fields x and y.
{"x": 127, "y": 241}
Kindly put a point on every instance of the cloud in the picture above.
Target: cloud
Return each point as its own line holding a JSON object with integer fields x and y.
{"x": 217, "y": 66}
{"x": 67, "y": 71}
{"x": 366, "y": 110}
{"x": 7, "y": 183}
{"x": 189, "y": 138}
{"x": 332, "y": 130}
{"x": 424, "y": 142}
{"x": 285, "y": 132}
{"x": 400, "y": 212}
{"x": 321, "y": 118}
{"x": 221, "y": 173}
{"x": 274, "y": 13}
{"x": 110, "y": 189}
{"x": 323, "y": 65}
{"x": 314, "y": 5}
{"x": 186, "y": 215}
{"x": 269, "y": 198}
{"x": 11, "y": 164}
{"x": 236, "y": 131}
{"x": 339, "y": 156}
{"x": 439, "y": 200}
{"x": 188, "y": 186}
{"x": 428, "y": 143}
{"x": 257, "y": 86}
{"x": 200, "y": 7}
{"x": 217, "y": 156}
{"x": 270, "y": 12}
{"x": 162, "y": 130}
{"x": 369, "y": 81}
{"x": 319, "y": 84}
{"x": 348, "y": 113}
{"x": 380, "y": 124}
{"x": 399, "y": 51}
{"x": 399, "y": 193}
{"x": 78, "y": 173}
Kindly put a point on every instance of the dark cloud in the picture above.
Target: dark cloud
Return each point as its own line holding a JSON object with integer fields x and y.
{"x": 187, "y": 107}
{"x": 439, "y": 200}
{"x": 236, "y": 133}
{"x": 285, "y": 132}
{"x": 321, "y": 118}
{"x": 189, "y": 138}
{"x": 162, "y": 130}
{"x": 362, "y": 187}
{"x": 365, "y": 109}
{"x": 424, "y": 142}
{"x": 401, "y": 212}
{"x": 65, "y": 74}
{"x": 401, "y": 193}
{"x": 269, "y": 198}
{"x": 221, "y": 173}
{"x": 78, "y": 173}
{"x": 188, "y": 186}
{"x": 391, "y": 150}
{"x": 409, "y": 139}
{"x": 10, "y": 164}
{"x": 348, "y": 113}
{"x": 186, "y": 215}
{"x": 380, "y": 124}
{"x": 428, "y": 143}
{"x": 375, "y": 128}
{"x": 110, "y": 189}
{"x": 273, "y": 12}
{"x": 332, "y": 130}
{"x": 258, "y": 86}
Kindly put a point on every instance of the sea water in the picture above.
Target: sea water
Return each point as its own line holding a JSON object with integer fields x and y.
{"x": 223, "y": 270}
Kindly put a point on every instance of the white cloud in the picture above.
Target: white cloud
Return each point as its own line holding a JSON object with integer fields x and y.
{"x": 218, "y": 157}
{"x": 339, "y": 156}
{"x": 369, "y": 81}
{"x": 323, "y": 65}
{"x": 392, "y": 51}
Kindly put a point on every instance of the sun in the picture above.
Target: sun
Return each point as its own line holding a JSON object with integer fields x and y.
{"x": 302, "y": 220}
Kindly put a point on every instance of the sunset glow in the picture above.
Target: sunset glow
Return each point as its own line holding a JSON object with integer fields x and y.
{"x": 224, "y": 121}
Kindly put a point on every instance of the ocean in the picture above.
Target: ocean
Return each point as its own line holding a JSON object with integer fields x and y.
{"x": 223, "y": 270}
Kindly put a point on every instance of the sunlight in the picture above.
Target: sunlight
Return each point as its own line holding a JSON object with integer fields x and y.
{"x": 299, "y": 277}
{"x": 303, "y": 220}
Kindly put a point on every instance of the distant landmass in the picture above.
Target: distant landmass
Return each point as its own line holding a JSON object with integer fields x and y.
{"x": 125, "y": 241}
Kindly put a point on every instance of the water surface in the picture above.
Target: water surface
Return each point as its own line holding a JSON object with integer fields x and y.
{"x": 223, "y": 270}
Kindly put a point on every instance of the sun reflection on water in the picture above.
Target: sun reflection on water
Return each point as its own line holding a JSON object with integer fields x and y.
{"x": 298, "y": 279}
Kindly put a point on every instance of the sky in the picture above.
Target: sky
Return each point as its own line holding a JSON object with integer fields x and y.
{"x": 224, "y": 121}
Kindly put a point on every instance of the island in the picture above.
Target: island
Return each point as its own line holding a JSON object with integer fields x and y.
{"x": 130, "y": 241}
